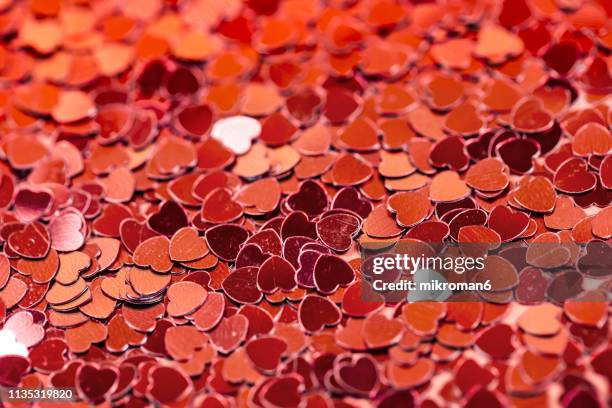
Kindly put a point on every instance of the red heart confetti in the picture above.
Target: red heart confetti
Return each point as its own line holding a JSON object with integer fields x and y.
{"x": 276, "y": 273}
{"x": 94, "y": 383}
{"x": 191, "y": 208}
{"x": 317, "y": 312}
{"x": 573, "y": 177}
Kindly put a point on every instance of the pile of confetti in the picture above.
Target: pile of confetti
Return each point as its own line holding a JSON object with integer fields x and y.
{"x": 185, "y": 187}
